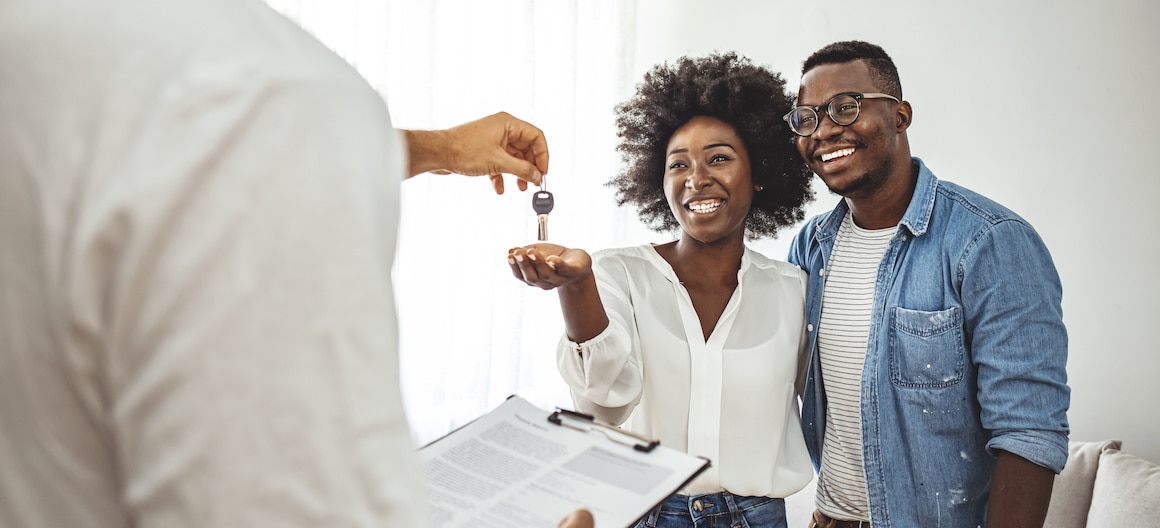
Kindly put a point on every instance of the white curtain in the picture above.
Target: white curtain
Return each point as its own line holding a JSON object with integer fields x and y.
{"x": 471, "y": 334}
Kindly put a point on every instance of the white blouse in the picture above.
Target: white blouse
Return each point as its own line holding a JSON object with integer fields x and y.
{"x": 731, "y": 399}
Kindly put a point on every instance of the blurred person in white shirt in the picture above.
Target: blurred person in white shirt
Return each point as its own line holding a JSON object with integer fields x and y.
{"x": 198, "y": 214}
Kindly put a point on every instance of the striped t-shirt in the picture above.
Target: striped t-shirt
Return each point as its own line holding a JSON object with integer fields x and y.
{"x": 847, "y": 302}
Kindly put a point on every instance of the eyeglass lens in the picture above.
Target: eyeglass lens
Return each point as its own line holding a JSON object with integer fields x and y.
{"x": 843, "y": 109}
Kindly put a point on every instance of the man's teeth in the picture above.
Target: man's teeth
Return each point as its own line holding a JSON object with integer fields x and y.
{"x": 705, "y": 207}
{"x": 837, "y": 154}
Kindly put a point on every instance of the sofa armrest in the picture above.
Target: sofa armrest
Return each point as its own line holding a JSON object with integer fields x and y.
{"x": 1071, "y": 496}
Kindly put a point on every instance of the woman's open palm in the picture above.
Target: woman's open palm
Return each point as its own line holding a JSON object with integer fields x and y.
{"x": 549, "y": 266}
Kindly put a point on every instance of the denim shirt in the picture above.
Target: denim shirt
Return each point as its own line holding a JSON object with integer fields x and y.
{"x": 966, "y": 355}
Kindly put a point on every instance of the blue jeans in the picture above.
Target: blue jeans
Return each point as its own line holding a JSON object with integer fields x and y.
{"x": 716, "y": 510}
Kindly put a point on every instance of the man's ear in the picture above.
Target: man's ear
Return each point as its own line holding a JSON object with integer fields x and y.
{"x": 902, "y": 118}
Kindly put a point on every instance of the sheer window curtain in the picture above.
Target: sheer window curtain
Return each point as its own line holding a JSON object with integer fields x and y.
{"x": 471, "y": 334}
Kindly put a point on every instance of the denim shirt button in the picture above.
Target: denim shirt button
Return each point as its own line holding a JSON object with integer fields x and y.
{"x": 822, "y": 272}
{"x": 810, "y": 327}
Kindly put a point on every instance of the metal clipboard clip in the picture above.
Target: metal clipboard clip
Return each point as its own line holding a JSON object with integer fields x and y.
{"x": 586, "y": 422}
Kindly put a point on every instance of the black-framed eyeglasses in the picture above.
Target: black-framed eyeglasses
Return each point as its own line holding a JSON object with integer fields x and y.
{"x": 843, "y": 110}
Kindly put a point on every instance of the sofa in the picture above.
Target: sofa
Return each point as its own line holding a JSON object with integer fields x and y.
{"x": 1103, "y": 487}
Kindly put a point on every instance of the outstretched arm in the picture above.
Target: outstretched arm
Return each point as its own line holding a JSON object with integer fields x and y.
{"x": 493, "y": 146}
{"x": 569, "y": 272}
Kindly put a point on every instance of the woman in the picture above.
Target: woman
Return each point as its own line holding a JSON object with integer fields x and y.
{"x": 698, "y": 342}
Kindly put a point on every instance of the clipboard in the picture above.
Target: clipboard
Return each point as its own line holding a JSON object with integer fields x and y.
{"x": 587, "y": 422}
{"x": 523, "y": 466}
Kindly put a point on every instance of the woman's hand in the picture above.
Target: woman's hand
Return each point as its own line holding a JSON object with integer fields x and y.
{"x": 549, "y": 266}
{"x": 569, "y": 272}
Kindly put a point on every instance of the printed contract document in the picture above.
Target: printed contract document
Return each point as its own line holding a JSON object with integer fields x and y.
{"x": 513, "y": 467}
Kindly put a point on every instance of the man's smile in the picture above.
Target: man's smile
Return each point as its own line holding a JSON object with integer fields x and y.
{"x": 829, "y": 156}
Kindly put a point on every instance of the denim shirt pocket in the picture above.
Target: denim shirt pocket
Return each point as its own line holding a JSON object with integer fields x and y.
{"x": 926, "y": 348}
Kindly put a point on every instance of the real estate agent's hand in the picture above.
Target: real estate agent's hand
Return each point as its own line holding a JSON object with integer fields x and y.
{"x": 578, "y": 519}
{"x": 491, "y": 146}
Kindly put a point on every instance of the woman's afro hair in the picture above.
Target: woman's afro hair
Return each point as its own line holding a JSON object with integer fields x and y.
{"x": 724, "y": 86}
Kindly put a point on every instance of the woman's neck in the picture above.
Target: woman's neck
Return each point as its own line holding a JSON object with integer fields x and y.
{"x": 716, "y": 262}
{"x": 708, "y": 272}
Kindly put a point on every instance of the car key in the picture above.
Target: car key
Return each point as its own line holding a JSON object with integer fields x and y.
{"x": 542, "y": 204}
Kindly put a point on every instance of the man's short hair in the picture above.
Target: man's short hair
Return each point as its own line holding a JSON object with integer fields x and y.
{"x": 882, "y": 67}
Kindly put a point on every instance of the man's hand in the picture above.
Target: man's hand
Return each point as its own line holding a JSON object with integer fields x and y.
{"x": 493, "y": 146}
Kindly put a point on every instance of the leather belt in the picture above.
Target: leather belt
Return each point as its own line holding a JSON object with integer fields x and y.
{"x": 821, "y": 520}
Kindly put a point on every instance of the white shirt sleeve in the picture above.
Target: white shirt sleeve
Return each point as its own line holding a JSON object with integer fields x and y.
{"x": 604, "y": 373}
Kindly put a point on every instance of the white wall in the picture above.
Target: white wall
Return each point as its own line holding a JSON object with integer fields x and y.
{"x": 1050, "y": 107}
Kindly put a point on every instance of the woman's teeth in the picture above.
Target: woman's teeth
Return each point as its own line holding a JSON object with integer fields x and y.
{"x": 705, "y": 207}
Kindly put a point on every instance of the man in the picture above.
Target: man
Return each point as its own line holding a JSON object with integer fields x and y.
{"x": 936, "y": 393}
{"x": 198, "y": 209}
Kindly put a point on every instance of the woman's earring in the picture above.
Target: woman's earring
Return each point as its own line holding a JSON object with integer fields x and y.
{"x": 759, "y": 188}
{"x": 764, "y": 162}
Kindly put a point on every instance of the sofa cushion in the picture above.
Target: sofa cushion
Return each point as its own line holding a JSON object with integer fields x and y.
{"x": 1126, "y": 492}
{"x": 1071, "y": 496}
